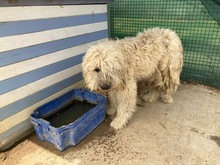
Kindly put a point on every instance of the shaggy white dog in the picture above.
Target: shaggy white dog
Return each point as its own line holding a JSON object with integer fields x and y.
{"x": 128, "y": 67}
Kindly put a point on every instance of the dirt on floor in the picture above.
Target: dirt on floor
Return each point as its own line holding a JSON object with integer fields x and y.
{"x": 186, "y": 132}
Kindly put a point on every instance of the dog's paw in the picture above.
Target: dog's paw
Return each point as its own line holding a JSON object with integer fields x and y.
{"x": 117, "y": 124}
{"x": 140, "y": 102}
{"x": 167, "y": 99}
{"x": 110, "y": 111}
{"x": 150, "y": 98}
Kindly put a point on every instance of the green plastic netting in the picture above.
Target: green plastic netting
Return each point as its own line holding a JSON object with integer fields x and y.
{"x": 197, "y": 22}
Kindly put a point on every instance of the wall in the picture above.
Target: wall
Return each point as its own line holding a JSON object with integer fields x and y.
{"x": 41, "y": 50}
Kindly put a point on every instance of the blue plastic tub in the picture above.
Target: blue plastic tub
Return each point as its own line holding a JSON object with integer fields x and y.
{"x": 73, "y": 133}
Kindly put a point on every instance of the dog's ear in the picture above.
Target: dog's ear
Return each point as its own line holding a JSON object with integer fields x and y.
{"x": 123, "y": 76}
{"x": 124, "y": 82}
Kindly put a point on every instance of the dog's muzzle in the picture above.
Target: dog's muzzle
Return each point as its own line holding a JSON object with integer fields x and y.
{"x": 105, "y": 86}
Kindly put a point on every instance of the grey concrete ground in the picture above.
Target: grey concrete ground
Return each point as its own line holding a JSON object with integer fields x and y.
{"x": 186, "y": 132}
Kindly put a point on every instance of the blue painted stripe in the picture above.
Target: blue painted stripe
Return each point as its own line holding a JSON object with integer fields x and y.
{"x": 29, "y": 77}
{"x": 30, "y": 26}
{"x": 26, "y": 102}
{"x": 14, "y": 129}
{"x": 17, "y": 55}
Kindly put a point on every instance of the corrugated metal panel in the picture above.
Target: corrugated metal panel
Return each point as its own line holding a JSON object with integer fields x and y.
{"x": 40, "y": 57}
{"x": 50, "y": 2}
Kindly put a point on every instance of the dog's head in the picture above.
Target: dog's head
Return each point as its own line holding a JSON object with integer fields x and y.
{"x": 103, "y": 67}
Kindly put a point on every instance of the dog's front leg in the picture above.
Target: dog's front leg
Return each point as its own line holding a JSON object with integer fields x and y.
{"x": 126, "y": 105}
{"x": 113, "y": 103}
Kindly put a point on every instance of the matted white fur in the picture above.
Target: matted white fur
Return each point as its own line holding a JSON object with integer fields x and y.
{"x": 127, "y": 68}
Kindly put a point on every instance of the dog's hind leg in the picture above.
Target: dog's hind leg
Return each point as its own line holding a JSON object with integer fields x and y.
{"x": 166, "y": 98}
{"x": 171, "y": 79}
{"x": 126, "y": 105}
{"x": 153, "y": 85}
{"x": 151, "y": 97}
{"x": 141, "y": 90}
{"x": 168, "y": 90}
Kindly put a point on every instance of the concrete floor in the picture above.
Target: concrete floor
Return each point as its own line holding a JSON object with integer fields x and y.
{"x": 186, "y": 132}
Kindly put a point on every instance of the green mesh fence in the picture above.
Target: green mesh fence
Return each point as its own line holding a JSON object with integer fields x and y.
{"x": 197, "y": 22}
